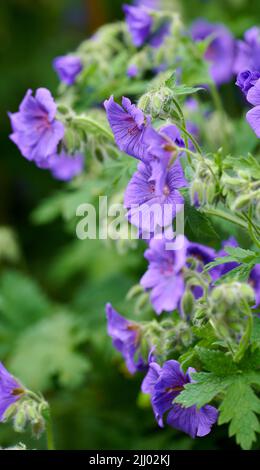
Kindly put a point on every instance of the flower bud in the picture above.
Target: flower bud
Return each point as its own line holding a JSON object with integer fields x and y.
{"x": 187, "y": 303}
{"x": 20, "y": 419}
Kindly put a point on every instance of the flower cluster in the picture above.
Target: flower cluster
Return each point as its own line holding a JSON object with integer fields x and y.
{"x": 152, "y": 197}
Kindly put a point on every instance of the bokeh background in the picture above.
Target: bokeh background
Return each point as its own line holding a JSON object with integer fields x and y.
{"x": 52, "y": 293}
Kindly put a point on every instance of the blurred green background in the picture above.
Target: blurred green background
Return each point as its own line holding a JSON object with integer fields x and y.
{"x": 52, "y": 289}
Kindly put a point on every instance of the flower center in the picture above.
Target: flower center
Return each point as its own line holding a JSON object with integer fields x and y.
{"x": 133, "y": 130}
{"x": 174, "y": 389}
{"x": 166, "y": 190}
{"x": 17, "y": 391}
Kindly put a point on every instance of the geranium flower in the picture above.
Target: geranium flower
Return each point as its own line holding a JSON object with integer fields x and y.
{"x": 220, "y": 52}
{"x": 10, "y": 391}
{"x": 68, "y": 67}
{"x": 164, "y": 275}
{"x": 248, "y": 51}
{"x": 126, "y": 336}
{"x": 36, "y": 132}
{"x": 164, "y": 384}
{"x": 150, "y": 204}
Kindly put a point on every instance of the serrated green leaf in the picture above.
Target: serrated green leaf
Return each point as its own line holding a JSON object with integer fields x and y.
{"x": 207, "y": 386}
{"x": 240, "y": 273}
{"x": 239, "y": 407}
{"x": 216, "y": 361}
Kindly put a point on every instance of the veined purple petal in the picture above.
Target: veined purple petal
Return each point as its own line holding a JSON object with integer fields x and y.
{"x": 128, "y": 124}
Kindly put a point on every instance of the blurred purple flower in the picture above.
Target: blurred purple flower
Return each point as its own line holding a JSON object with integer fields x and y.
{"x": 128, "y": 124}
{"x": 253, "y": 116}
{"x": 65, "y": 167}
{"x": 164, "y": 384}
{"x": 246, "y": 80}
{"x": 153, "y": 4}
{"x": 248, "y": 52}
{"x": 68, "y": 67}
{"x": 226, "y": 267}
{"x": 221, "y": 50}
{"x": 204, "y": 255}
{"x": 140, "y": 24}
{"x": 126, "y": 336}
{"x": 36, "y": 132}
{"x": 132, "y": 71}
{"x": 151, "y": 205}
{"x": 10, "y": 391}
{"x": 254, "y": 281}
{"x": 164, "y": 275}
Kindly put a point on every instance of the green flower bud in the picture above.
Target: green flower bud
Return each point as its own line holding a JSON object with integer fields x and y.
{"x": 20, "y": 419}
{"x": 187, "y": 303}
{"x": 241, "y": 202}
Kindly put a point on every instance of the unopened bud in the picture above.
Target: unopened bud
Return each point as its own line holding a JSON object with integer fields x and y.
{"x": 187, "y": 303}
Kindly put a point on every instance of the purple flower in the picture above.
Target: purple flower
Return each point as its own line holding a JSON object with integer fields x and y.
{"x": 164, "y": 384}
{"x": 160, "y": 147}
{"x": 254, "y": 281}
{"x": 151, "y": 205}
{"x": 126, "y": 336}
{"x": 226, "y": 267}
{"x": 36, "y": 132}
{"x": 152, "y": 4}
{"x": 220, "y": 52}
{"x": 248, "y": 52}
{"x": 164, "y": 275}
{"x": 204, "y": 255}
{"x": 10, "y": 391}
{"x": 139, "y": 23}
{"x": 128, "y": 124}
{"x": 68, "y": 67}
{"x": 65, "y": 167}
{"x": 253, "y": 116}
{"x": 246, "y": 80}
{"x": 141, "y": 26}
{"x": 132, "y": 71}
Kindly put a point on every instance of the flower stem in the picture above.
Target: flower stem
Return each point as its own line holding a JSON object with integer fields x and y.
{"x": 243, "y": 345}
{"x": 49, "y": 433}
{"x": 226, "y": 216}
{"x": 219, "y": 107}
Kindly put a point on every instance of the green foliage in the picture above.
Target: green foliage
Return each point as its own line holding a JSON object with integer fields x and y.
{"x": 52, "y": 320}
{"x": 60, "y": 361}
{"x": 233, "y": 382}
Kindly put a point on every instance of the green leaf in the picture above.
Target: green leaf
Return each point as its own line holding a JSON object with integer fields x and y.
{"x": 239, "y": 407}
{"x": 207, "y": 386}
{"x": 216, "y": 361}
{"x": 52, "y": 344}
{"x": 240, "y": 255}
{"x": 256, "y": 331}
{"x": 198, "y": 223}
{"x": 240, "y": 273}
{"x": 248, "y": 163}
{"x": 22, "y": 301}
{"x": 240, "y": 403}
